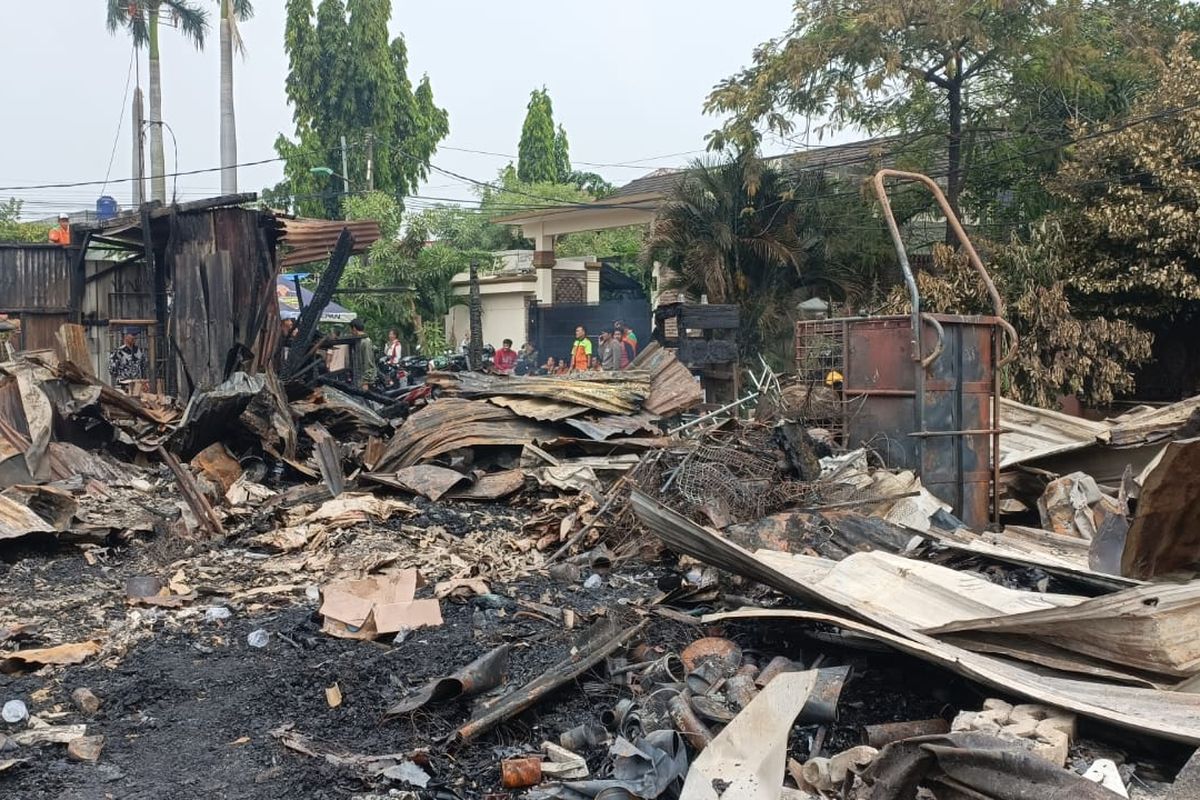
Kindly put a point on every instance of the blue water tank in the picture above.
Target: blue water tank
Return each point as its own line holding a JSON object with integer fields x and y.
{"x": 107, "y": 208}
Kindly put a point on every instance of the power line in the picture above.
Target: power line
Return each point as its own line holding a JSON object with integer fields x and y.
{"x": 633, "y": 164}
{"x": 121, "y": 118}
{"x": 851, "y": 159}
{"x": 177, "y": 174}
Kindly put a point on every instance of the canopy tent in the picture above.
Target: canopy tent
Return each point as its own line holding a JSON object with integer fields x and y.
{"x": 289, "y": 305}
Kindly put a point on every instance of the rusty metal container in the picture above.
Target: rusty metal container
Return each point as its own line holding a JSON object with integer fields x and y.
{"x": 921, "y": 390}
{"x": 941, "y": 429}
{"x": 519, "y": 773}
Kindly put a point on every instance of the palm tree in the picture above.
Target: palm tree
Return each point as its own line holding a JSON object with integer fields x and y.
{"x": 762, "y": 237}
{"x": 141, "y": 18}
{"x": 729, "y": 231}
{"x": 232, "y": 12}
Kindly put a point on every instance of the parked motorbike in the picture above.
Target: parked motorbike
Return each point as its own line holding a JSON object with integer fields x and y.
{"x": 411, "y": 399}
{"x": 416, "y": 366}
{"x": 390, "y": 379}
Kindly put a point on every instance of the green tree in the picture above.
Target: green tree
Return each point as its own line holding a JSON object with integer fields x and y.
{"x": 346, "y": 79}
{"x": 541, "y": 148}
{"x": 743, "y": 232}
{"x": 13, "y": 230}
{"x": 981, "y": 92}
{"x": 1116, "y": 50}
{"x": 1133, "y": 195}
{"x": 400, "y": 258}
{"x": 562, "y": 156}
{"x": 141, "y": 18}
{"x": 232, "y": 12}
{"x": 591, "y": 183}
{"x": 1059, "y": 353}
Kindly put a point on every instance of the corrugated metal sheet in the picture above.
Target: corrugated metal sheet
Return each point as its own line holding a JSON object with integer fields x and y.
{"x": 309, "y": 240}
{"x": 35, "y": 282}
{"x": 35, "y": 278}
{"x": 1031, "y": 433}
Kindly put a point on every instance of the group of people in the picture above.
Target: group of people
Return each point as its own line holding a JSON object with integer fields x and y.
{"x": 613, "y": 350}
{"x": 361, "y": 360}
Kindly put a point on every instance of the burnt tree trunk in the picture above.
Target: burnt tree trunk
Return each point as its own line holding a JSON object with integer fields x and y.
{"x": 475, "y": 348}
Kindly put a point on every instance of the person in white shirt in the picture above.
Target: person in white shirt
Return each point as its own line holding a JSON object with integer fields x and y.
{"x": 393, "y": 351}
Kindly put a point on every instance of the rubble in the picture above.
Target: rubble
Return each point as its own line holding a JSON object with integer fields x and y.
{"x": 563, "y": 587}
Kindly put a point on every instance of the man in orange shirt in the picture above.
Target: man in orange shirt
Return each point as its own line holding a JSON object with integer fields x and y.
{"x": 62, "y": 234}
{"x": 581, "y": 350}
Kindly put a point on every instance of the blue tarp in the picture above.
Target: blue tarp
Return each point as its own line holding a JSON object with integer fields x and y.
{"x": 289, "y": 307}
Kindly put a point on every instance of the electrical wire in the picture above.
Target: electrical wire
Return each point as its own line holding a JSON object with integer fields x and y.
{"x": 852, "y": 159}
{"x": 120, "y": 118}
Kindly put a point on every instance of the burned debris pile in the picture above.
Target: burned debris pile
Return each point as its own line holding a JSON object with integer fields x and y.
{"x": 587, "y": 586}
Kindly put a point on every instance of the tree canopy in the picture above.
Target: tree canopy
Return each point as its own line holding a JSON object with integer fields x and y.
{"x": 1134, "y": 194}
{"x": 346, "y": 79}
{"x": 764, "y": 237}
{"x": 982, "y": 90}
{"x": 13, "y": 230}
{"x": 1059, "y": 352}
{"x": 543, "y": 154}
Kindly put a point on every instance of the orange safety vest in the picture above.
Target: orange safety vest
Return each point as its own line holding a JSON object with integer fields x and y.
{"x": 61, "y": 236}
{"x": 581, "y": 354}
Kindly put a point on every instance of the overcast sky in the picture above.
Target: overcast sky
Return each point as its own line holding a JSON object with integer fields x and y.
{"x": 627, "y": 77}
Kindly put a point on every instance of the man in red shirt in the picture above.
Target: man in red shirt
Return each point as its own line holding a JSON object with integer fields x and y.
{"x": 505, "y": 358}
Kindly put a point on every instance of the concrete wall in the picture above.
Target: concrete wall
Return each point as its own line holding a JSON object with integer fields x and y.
{"x": 503, "y": 318}
{"x": 504, "y": 296}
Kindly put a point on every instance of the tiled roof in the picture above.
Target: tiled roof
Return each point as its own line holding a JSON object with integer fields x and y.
{"x": 867, "y": 153}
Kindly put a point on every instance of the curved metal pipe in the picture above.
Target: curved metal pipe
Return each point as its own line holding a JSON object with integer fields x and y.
{"x": 1011, "y": 352}
{"x": 914, "y": 295}
{"x": 951, "y": 220}
{"x": 941, "y": 340}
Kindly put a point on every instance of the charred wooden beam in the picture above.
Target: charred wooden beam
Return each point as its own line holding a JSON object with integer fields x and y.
{"x": 306, "y": 325}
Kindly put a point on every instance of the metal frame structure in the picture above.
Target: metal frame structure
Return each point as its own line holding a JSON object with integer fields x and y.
{"x": 953, "y": 362}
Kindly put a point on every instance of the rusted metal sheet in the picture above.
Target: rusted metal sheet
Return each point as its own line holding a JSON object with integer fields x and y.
{"x": 18, "y": 519}
{"x": 35, "y": 283}
{"x": 1165, "y": 534}
{"x": 73, "y": 347}
{"x": 947, "y": 435}
{"x": 1172, "y": 715}
{"x": 1031, "y": 433}
{"x": 608, "y": 392}
{"x": 427, "y": 480}
{"x": 452, "y": 423}
{"x": 1152, "y": 424}
{"x": 492, "y": 487}
{"x": 68, "y": 460}
{"x": 309, "y": 240}
{"x": 35, "y": 278}
{"x": 56, "y": 506}
{"x": 328, "y": 457}
{"x": 601, "y": 428}
{"x": 1151, "y": 628}
{"x": 15, "y": 439}
{"x": 673, "y": 388}
{"x": 539, "y": 408}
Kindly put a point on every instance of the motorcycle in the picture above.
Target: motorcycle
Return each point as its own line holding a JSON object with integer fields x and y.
{"x": 391, "y": 379}
{"x": 410, "y": 399}
{"x": 416, "y": 366}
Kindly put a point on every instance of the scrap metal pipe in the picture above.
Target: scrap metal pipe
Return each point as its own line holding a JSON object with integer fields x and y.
{"x": 878, "y": 736}
{"x": 775, "y": 666}
{"x": 688, "y": 724}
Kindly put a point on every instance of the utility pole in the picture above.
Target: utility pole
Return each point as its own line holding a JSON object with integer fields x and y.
{"x": 345, "y": 169}
{"x": 139, "y": 151}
